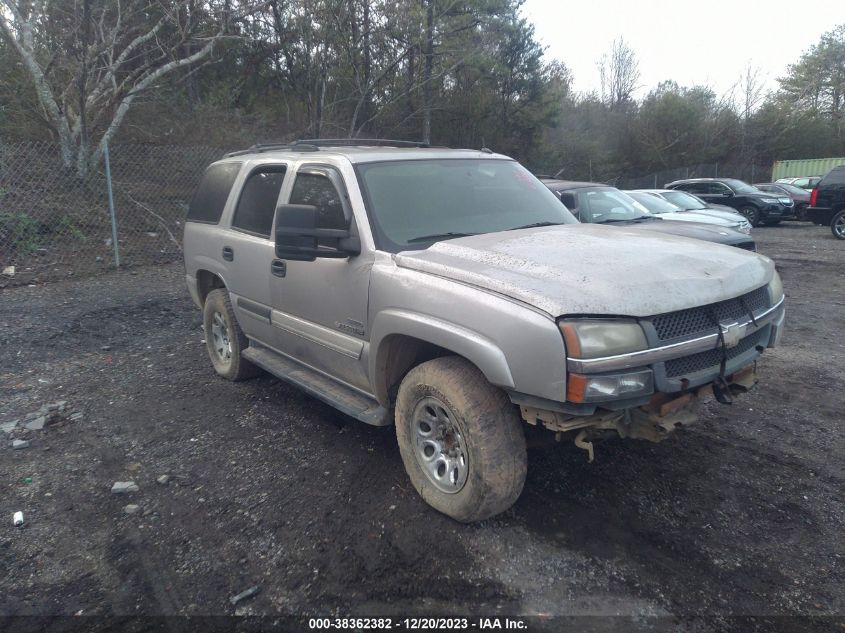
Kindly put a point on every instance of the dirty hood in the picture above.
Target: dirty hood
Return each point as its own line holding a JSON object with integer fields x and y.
{"x": 593, "y": 269}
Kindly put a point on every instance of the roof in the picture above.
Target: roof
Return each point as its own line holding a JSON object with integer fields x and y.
{"x": 562, "y": 185}
{"x": 361, "y": 153}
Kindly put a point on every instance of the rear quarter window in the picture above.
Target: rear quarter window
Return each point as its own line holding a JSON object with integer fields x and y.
{"x": 212, "y": 193}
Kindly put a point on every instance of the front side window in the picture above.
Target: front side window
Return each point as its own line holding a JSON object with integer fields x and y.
{"x": 257, "y": 203}
{"x": 318, "y": 190}
{"x": 414, "y": 203}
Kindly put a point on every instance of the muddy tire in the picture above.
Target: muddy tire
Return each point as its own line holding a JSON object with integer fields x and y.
{"x": 752, "y": 214}
{"x": 224, "y": 339}
{"x": 461, "y": 440}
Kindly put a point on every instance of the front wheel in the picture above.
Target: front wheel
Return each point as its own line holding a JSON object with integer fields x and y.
{"x": 461, "y": 440}
{"x": 752, "y": 214}
{"x": 837, "y": 225}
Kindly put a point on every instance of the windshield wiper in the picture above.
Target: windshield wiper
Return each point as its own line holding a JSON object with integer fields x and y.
{"x": 438, "y": 236}
{"x": 534, "y": 225}
{"x": 637, "y": 219}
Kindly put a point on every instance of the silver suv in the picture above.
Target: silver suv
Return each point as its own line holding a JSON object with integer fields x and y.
{"x": 449, "y": 292}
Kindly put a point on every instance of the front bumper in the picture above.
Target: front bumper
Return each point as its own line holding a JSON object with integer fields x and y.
{"x": 774, "y": 212}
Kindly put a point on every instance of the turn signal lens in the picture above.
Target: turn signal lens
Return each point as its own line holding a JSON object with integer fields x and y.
{"x": 581, "y": 388}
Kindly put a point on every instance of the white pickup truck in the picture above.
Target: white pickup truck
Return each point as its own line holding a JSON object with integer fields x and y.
{"x": 449, "y": 292}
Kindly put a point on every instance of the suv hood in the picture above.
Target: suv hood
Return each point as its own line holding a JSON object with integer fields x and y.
{"x": 594, "y": 269}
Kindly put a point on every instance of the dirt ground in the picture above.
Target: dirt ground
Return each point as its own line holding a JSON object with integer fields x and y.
{"x": 741, "y": 515}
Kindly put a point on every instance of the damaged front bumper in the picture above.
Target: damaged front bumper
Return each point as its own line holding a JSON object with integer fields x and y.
{"x": 653, "y": 421}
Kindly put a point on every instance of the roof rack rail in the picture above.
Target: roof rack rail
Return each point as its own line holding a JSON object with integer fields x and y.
{"x": 295, "y": 146}
{"x": 351, "y": 142}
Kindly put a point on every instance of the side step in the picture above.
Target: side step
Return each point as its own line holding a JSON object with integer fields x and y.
{"x": 341, "y": 397}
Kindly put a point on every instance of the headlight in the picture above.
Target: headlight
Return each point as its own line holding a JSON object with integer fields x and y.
{"x": 770, "y": 200}
{"x": 580, "y": 388}
{"x": 744, "y": 227}
{"x": 775, "y": 288}
{"x": 595, "y": 338}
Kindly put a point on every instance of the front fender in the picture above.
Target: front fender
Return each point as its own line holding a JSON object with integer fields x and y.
{"x": 477, "y": 349}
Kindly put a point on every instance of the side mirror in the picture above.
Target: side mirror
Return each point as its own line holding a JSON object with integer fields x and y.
{"x": 298, "y": 236}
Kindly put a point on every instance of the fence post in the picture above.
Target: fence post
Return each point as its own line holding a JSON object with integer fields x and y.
{"x": 111, "y": 207}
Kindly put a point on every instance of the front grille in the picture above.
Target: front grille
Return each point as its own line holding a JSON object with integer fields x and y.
{"x": 699, "y": 321}
{"x": 712, "y": 358}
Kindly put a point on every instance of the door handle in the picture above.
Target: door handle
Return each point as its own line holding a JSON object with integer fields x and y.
{"x": 228, "y": 253}
{"x": 279, "y": 268}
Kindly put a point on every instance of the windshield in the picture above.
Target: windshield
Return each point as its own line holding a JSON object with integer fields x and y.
{"x": 653, "y": 203}
{"x": 740, "y": 187}
{"x": 606, "y": 204}
{"x": 414, "y": 203}
{"x": 685, "y": 201}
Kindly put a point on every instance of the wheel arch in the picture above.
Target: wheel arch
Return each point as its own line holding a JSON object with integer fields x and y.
{"x": 403, "y": 340}
{"x": 206, "y": 282}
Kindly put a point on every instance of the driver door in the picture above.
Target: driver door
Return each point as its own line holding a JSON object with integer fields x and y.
{"x": 319, "y": 308}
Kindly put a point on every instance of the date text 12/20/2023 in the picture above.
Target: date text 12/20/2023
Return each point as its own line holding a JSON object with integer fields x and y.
{"x": 417, "y": 624}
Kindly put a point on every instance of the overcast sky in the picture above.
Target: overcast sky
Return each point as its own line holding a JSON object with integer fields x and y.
{"x": 691, "y": 42}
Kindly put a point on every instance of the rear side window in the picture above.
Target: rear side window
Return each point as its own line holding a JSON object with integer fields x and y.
{"x": 835, "y": 176}
{"x": 210, "y": 197}
{"x": 692, "y": 187}
{"x": 257, "y": 204}
{"x": 318, "y": 190}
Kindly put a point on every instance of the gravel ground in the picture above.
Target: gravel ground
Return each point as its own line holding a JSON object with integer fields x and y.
{"x": 739, "y": 515}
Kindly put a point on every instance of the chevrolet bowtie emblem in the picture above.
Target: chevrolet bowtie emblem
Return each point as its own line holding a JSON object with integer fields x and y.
{"x": 732, "y": 334}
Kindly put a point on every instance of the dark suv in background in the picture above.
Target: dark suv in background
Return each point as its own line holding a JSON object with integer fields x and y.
{"x": 827, "y": 202}
{"x": 758, "y": 207}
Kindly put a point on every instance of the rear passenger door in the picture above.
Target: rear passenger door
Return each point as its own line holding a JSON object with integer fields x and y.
{"x": 249, "y": 244}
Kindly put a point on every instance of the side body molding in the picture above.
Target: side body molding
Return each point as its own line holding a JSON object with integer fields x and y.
{"x": 479, "y": 350}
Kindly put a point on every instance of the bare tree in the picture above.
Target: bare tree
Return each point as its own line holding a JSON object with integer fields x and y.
{"x": 619, "y": 73}
{"x": 87, "y": 77}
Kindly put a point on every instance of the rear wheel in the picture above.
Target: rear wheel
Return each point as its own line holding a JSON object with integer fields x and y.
{"x": 224, "y": 339}
{"x": 461, "y": 440}
{"x": 752, "y": 214}
{"x": 837, "y": 225}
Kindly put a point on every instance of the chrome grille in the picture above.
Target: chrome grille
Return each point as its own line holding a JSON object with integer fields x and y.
{"x": 699, "y": 321}
{"x": 712, "y": 358}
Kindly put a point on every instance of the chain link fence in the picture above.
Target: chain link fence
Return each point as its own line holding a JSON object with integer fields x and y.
{"x": 54, "y": 225}
{"x": 749, "y": 172}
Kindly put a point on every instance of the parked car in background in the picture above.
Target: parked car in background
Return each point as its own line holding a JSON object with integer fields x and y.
{"x": 596, "y": 203}
{"x": 804, "y": 182}
{"x": 800, "y": 197}
{"x": 758, "y": 207}
{"x": 670, "y": 211}
{"x": 827, "y": 202}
